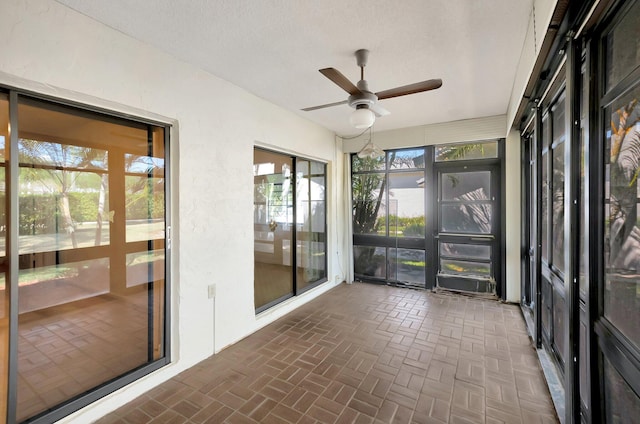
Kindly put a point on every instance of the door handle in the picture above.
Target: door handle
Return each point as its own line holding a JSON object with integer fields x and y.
{"x": 482, "y": 238}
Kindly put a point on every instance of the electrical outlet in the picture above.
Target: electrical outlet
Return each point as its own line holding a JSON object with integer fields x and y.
{"x": 212, "y": 291}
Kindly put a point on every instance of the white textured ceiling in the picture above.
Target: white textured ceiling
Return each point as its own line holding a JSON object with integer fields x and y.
{"x": 274, "y": 48}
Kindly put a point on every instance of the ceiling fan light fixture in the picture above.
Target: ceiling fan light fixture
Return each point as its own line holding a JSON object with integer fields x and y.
{"x": 370, "y": 151}
{"x": 362, "y": 118}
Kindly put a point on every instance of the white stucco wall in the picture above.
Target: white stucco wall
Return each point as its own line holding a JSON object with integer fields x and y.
{"x": 536, "y": 31}
{"x": 486, "y": 128}
{"x": 513, "y": 220}
{"x": 50, "y": 49}
{"x": 539, "y": 19}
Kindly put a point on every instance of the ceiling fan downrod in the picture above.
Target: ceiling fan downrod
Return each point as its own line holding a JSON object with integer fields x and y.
{"x": 362, "y": 56}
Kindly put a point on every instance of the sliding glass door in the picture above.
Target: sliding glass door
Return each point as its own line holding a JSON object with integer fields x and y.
{"x": 289, "y": 215}
{"x": 310, "y": 223}
{"x": 88, "y": 243}
{"x": 4, "y": 262}
{"x": 273, "y": 227}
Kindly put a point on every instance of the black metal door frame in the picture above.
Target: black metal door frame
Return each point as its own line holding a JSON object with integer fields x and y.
{"x": 495, "y": 239}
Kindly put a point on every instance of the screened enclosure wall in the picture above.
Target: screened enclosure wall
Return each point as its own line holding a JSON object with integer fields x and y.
{"x": 427, "y": 215}
{"x": 389, "y": 217}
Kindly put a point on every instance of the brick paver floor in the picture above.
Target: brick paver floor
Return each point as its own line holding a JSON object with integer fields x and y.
{"x": 365, "y": 354}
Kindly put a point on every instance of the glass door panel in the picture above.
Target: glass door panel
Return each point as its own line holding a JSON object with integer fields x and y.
{"x": 467, "y": 237}
{"x": 369, "y": 204}
{"x": 370, "y": 261}
{"x": 407, "y": 266}
{"x": 310, "y": 223}
{"x": 4, "y": 293}
{"x": 622, "y": 228}
{"x": 273, "y": 227}
{"x": 389, "y": 220}
{"x": 77, "y": 304}
{"x": 465, "y": 203}
{"x": 406, "y": 204}
{"x": 533, "y": 231}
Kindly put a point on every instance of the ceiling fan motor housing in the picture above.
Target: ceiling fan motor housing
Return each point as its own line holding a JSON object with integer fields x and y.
{"x": 362, "y": 57}
{"x": 363, "y": 99}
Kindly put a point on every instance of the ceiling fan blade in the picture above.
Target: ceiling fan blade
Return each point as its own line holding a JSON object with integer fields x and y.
{"x": 307, "y": 109}
{"x": 417, "y": 87}
{"x": 340, "y": 80}
{"x": 379, "y": 110}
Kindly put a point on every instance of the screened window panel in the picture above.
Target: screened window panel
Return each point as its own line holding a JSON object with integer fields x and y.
{"x": 622, "y": 405}
{"x": 406, "y": 204}
{"x": 370, "y": 261}
{"x": 466, "y": 186}
{"x": 469, "y": 268}
{"x": 466, "y": 151}
{"x": 583, "y": 205}
{"x": 369, "y": 204}
{"x": 407, "y": 265}
{"x": 406, "y": 159}
{"x": 368, "y": 164}
{"x": 557, "y": 223}
{"x": 559, "y": 336}
{"x": 622, "y": 231}
{"x": 622, "y": 48}
{"x": 472, "y": 218}
{"x": 557, "y": 184}
{"x": 544, "y": 209}
{"x": 467, "y": 251}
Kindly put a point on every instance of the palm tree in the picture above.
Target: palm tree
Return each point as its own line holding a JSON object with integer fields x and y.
{"x": 56, "y": 166}
{"x": 625, "y": 165}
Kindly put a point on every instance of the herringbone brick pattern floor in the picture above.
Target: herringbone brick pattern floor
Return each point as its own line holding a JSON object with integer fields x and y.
{"x": 365, "y": 354}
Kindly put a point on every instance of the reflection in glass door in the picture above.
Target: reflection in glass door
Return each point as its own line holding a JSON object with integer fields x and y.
{"x": 91, "y": 252}
{"x": 468, "y": 255}
{"x": 273, "y": 227}
{"x": 4, "y": 293}
{"x": 310, "y": 223}
{"x": 289, "y": 210}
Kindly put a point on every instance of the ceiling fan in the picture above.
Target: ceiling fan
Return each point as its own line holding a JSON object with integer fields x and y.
{"x": 362, "y": 99}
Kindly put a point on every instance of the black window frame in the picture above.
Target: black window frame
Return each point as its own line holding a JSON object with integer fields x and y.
{"x": 612, "y": 345}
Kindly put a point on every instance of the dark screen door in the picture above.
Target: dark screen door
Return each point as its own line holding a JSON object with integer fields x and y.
{"x": 468, "y": 228}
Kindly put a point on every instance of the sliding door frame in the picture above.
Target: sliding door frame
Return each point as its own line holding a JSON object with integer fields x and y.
{"x": 77, "y": 402}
